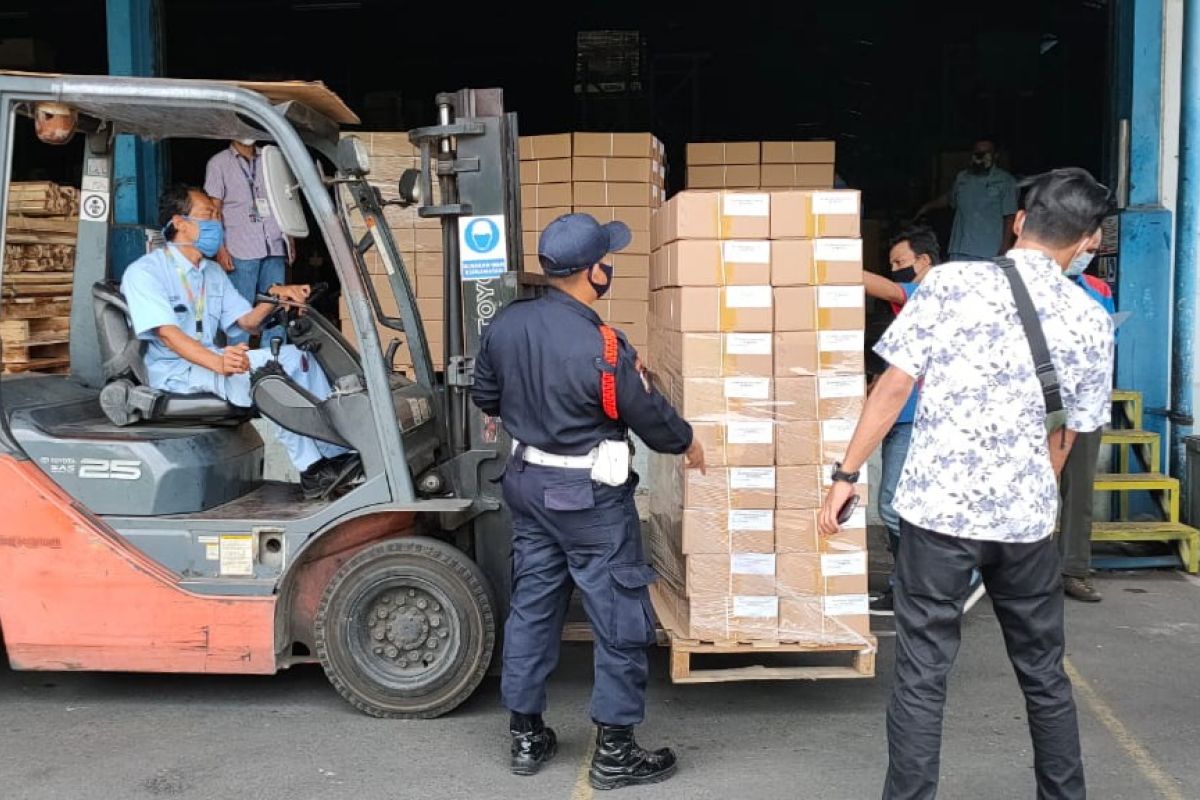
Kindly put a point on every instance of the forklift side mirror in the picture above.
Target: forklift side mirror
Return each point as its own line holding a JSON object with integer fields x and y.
{"x": 352, "y": 157}
{"x": 283, "y": 193}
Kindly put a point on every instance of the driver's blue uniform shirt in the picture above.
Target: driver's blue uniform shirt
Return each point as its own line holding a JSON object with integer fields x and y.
{"x": 538, "y": 369}
{"x": 156, "y": 297}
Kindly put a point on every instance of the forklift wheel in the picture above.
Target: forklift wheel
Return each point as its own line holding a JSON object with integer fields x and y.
{"x": 405, "y": 629}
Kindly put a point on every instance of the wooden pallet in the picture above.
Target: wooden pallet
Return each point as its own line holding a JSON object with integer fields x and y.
{"x": 26, "y": 340}
{"x": 796, "y": 660}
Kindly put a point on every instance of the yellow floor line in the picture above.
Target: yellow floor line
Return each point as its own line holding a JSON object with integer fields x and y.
{"x": 1139, "y": 755}
{"x": 583, "y": 789}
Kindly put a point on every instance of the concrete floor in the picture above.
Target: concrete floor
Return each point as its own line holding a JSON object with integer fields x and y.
{"x": 74, "y": 736}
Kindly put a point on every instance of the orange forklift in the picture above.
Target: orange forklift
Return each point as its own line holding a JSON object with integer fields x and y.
{"x": 139, "y": 533}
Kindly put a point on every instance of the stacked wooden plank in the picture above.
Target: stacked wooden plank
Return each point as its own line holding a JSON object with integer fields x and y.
{"x": 39, "y": 262}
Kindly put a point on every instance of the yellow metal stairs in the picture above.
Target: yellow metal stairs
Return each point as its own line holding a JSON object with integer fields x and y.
{"x": 1131, "y": 441}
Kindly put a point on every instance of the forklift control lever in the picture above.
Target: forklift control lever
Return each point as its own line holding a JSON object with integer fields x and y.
{"x": 276, "y": 346}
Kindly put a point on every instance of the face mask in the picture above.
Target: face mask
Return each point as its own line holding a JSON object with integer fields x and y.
{"x": 1078, "y": 264}
{"x": 247, "y": 142}
{"x": 602, "y": 288}
{"x": 981, "y": 162}
{"x": 210, "y": 237}
{"x": 904, "y": 275}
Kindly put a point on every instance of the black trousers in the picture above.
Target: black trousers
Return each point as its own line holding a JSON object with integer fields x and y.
{"x": 1025, "y": 584}
{"x": 1075, "y": 513}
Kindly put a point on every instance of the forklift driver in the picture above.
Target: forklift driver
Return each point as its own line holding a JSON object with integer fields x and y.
{"x": 179, "y": 298}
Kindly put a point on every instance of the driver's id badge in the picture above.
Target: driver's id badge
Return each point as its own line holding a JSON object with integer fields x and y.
{"x": 262, "y": 207}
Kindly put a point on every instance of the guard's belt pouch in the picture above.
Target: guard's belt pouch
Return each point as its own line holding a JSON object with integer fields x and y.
{"x": 612, "y": 463}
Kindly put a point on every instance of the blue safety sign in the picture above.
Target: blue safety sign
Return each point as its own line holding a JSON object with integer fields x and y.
{"x": 482, "y": 248}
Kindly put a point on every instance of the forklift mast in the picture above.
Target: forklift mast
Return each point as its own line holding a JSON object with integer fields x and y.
{"x": 472, "y": 151}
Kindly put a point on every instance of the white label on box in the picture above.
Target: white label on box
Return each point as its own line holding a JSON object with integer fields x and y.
{"x": 840, "y": 297}
{"x": 752, "y": 564}
{"x": 744, "y": 606}
{"x": 827, "y": 476}
{"x": 751, "y": 520}
{"x": 836, "y": 565}
{"x": 746, "y": 205}
{"x": 761, "y": 478}
{"x": 838, "y": 250}
{"x": 847, "y": 605}
{"x": 837, "y": 430}
{"x": 749, "y": 344}
{"x": 835, "y": 203}
{"x": 749, "y": 296}
{"x": 743, "y": 432}
{"x": 841, "y": 341}
{"x": 829, "y": 388}
{"x": 743, "y": 252}
{"x": 857, "y": 521}
{"x": 748, "y": 388}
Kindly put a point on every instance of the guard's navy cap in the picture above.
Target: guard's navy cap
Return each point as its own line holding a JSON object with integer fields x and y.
{"x": 577, "y": 241}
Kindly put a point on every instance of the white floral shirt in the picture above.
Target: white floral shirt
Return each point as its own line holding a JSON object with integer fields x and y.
{"x": 978, "y": 466}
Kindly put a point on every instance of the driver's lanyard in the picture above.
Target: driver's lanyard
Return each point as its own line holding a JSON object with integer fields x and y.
{"x": 197, "y": 304}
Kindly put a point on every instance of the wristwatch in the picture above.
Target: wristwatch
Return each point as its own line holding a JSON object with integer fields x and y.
{"x": 844, "y": 477}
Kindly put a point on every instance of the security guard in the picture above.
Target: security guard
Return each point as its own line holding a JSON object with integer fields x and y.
{"x": 568, "y": 390}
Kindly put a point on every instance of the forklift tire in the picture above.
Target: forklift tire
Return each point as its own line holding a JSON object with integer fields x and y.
{"x": 405, "y": 629}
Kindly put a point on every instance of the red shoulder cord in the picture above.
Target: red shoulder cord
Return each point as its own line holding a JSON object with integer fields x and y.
{"x": 608, "y": 379}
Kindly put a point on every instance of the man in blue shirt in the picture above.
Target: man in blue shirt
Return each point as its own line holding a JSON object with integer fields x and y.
{"x": 914, "y": 251}
{"x": 179, "y": 299}
{"x": 984, "y": 199}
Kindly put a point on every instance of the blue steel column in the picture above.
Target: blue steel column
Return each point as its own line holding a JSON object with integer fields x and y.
{"x": 1144, "y": 273}
{"x": 1187, "y": 249}
{"x": 133, "y": 50}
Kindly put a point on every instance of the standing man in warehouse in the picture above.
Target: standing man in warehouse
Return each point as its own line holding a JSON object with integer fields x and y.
{"x": 569, "y": 389}
{"x": 1077, "y": 483}
{"x": 979, "y": 490}
{"x": 255, "y": 253}
{"x": 984, "y": 199}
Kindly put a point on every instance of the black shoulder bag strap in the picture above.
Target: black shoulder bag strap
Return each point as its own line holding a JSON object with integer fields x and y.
{"x": 1044, "y": 367}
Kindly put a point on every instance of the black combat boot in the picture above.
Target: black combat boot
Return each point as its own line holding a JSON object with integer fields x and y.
{"x": 533, "y": 744}
{"x": 619, "y": 761}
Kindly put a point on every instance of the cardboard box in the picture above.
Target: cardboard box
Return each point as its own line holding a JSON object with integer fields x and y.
{"x": 432, "y": 286}
{"x": 724, "y": 399}
{"x": 803, "y": 399}
{"x": 804, "y": 488}
{"x": 709, "y": 262}
{"x": 731, "y": 573}
{"x": 731, "y": 176}
{"x": 636, "y": 333}
{"x": 699, "y": 153}
{"x": 834, "y": 619}
{"x": 631, "y": 265}
{"x": 723, "y": 618}
{"x": 432, "y": 310}
{"x": 622, "y": 310}
{"x": 712, "y": 309}
{"x": 737, "y": 444}
{"x": 840, "y": 308}
{"x": 795, "y": 308}
{"x": 809, "y": 575}
{"x": 714, "y": 355}
{"x": 529, "y": 244}
{"x": 639, "y": 245}
{"x": 629, "y": 288}
{"x": 536, "y": 219}
{"x": 556, "y": 145}
{"x": 819, "y": 353}
{"x": 802, "y": 262}
{"x": 618, "y": 145}
{"x": 713, "y": 215}
{"x": 636, "y": 217}
{"x": 733, "y": 487}
{"x": 725, "y": 530}
{"x": 617, "y": 170}
{"x": 796, "y": 532}
{"x": 815, "y": 214}
{"x": 546, "y": 170}
{"x": 816, "y": 152}
{"x": 800, "y": 176}
{"x": 545, "y": 195}
{"x": 798, "y": 443}
{"x": 616, "y": 194}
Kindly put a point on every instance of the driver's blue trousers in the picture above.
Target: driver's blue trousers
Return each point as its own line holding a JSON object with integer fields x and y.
{"x": 570, "y": 531}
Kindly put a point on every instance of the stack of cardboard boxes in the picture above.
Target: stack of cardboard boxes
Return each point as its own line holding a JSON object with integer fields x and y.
{"x": 419, "y": 241}
{"x": 613, "y": 176}
{"x": 766, "y": 165}
{"x": 757, "y": 316}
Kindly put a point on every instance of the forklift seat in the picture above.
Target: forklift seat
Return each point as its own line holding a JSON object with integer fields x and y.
{"x": 127, "y": 396}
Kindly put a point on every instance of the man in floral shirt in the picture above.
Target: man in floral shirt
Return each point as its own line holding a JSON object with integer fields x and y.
{"x": 979, "y": 489}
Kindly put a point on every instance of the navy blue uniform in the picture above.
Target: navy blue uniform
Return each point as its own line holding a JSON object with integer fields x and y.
{"x": 539, "y": 370}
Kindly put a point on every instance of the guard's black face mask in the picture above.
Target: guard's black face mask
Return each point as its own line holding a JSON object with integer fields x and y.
{"x": 602, "y": 288}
